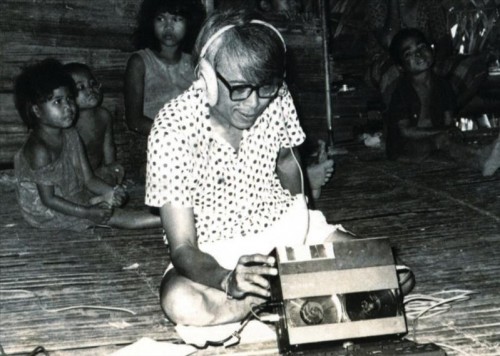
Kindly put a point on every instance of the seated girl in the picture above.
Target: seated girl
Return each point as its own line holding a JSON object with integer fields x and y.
{"x": 56, "y": 188}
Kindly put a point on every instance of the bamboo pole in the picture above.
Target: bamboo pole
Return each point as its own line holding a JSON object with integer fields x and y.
{"x": 326, "y": 51}
{"x": 209, "y": 6}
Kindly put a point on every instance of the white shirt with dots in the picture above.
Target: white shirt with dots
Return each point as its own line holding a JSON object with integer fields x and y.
{"x": 233, "y": 193}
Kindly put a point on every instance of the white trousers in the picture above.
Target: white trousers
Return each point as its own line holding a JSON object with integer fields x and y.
{"x": 297, "y": 226}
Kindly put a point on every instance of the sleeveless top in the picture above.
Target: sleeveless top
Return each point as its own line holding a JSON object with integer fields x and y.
{"x": 163, "y": 82}
{"x": 65, "y": 175}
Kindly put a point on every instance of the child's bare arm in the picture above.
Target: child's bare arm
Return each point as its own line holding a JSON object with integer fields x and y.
{"x": 109, "y": 152}
{"x": 134, "y": 96}
{"x": 97, "y": 185}
{"x": 98, "y": 214}
{"x": 93, "y": 183}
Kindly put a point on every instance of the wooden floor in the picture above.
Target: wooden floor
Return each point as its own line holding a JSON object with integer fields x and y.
{"x": 442, "y": 219}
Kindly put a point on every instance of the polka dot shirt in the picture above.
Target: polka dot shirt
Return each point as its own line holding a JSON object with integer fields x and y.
{"x": 232, "y": 193}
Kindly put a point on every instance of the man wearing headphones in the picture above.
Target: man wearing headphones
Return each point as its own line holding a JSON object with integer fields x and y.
{"x": 223, "y": 171}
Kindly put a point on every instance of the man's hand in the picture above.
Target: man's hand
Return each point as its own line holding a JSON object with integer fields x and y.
{"x": 248, "y": 277}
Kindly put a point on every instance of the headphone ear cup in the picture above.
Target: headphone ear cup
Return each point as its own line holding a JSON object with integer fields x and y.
{"x": 206, "y": 74}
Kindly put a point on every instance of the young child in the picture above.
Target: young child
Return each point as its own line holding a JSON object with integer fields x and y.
{"x": 161, "y": 69}
{"x": 95, "y": 125}
{"x": 420, "y": 117}
{"x": 56, "y": 188}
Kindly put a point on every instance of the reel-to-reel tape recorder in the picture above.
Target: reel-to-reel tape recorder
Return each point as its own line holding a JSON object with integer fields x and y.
{"x": 336, "y": 292}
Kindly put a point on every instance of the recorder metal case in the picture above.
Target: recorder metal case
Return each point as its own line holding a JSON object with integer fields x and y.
{"x": 336, "y": 292}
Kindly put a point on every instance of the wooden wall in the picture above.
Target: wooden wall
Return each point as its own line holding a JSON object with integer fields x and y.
{"x": 97, "y": 32}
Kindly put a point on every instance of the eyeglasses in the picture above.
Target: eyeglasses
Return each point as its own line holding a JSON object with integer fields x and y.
{"x": 92, "y": 85}
{"x": 241, "y": 92}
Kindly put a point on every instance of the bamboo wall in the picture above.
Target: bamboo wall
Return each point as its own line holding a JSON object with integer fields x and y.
{"x": 97, "y": 32}
{"x": 93, "y": 32}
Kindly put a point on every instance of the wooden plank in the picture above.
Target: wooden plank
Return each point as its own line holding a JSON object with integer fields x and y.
{"x": 108, "y": 64}
{"x": 70, "y": 16}
{"x": 443, "y": 221}
{"x": 82, "y": 270}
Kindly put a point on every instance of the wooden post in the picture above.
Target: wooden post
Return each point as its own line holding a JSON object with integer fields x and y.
{"x": 209, "y": 5}
{"x": 326, "y": 50}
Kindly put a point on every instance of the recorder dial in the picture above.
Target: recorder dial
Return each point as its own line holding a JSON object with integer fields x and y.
{"x": 312, "y": 313}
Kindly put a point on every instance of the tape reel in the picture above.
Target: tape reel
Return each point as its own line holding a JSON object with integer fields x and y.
{"x": 206, "y": 77}
{"x": 371, "y": 305}
{"x": 314, "y": 310}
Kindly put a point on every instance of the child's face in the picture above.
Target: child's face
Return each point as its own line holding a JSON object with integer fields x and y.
{"x": 57, "y": 112}
{"x": 89, "y": 90}
{"x": 170, "y": 29}
{"x": 416, "y": 56}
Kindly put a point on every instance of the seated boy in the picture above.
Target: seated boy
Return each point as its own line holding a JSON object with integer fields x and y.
{"x": 420, "y": 117}
{"x": 95, "y": 125}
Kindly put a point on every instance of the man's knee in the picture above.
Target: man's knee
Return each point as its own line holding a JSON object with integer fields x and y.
{"x": 181, "y": 303}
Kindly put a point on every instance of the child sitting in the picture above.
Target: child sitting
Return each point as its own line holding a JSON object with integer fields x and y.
{"x": 420, "y": 117}
{"x": 56, "y": 188}
{"x": 95, "y": 125}
{"x": 162, "y": 67}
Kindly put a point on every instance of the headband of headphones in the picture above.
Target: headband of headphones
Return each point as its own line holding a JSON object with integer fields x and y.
{"x": 219, "y": 33}
{"x": 207, "y": 78}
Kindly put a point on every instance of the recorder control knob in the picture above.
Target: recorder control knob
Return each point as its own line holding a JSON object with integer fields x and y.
{"x": 312, "y": 313}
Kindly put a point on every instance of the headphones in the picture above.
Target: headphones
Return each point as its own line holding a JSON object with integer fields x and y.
{"x": 206, "y": 77}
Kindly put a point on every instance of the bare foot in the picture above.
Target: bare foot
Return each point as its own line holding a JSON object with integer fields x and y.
{"x": 319, "y": 174}
{"x": 492, "y": 163}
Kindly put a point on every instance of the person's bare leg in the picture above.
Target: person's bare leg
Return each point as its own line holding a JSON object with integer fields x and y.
{"x": 319, "y": 174}
{"x": 492, "y": 162}
{"x": 485, "y": 159}
{"x": 189, "y": 303}
{"x": 134, "y": 219}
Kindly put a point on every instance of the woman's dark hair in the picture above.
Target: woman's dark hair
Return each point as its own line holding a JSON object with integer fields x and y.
{"x": 400, "y": 37}
{"x": 36, "y": 84}
{"x": 192, "y": 10}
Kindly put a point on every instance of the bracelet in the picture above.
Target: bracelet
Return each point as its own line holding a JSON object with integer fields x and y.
{"x": 227, "y": 278}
